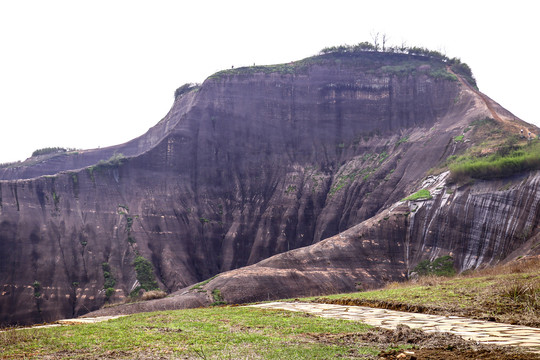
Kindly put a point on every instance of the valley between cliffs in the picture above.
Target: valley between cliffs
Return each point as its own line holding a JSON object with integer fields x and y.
{"x": 284, "y": 180}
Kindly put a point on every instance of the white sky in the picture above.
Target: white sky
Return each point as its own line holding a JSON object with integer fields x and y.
{"x": 88, "y": 74}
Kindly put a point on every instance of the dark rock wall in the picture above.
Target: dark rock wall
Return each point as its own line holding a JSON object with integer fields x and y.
{"x": 480, "y": 224}
{"x": 244, "y": 168}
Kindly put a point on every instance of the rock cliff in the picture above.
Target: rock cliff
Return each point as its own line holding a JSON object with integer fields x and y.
{"x": 287, "y": 179}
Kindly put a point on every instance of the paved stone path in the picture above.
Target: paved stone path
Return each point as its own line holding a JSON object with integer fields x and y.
{"x": 89, "y": 320}
{"x": 476, "y": 330}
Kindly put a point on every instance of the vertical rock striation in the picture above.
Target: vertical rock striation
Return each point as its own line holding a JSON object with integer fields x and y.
{"x": 253, "y": 163}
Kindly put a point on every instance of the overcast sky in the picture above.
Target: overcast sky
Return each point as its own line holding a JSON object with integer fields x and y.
{"x": 86, "y": 74}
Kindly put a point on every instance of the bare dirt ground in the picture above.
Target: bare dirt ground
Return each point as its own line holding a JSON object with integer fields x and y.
{"x": 433, "y": 346}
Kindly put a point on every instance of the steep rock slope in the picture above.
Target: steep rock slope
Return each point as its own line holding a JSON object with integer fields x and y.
{"x": 255, "y": 162}
{"x": 486, "y": 223}
{"x": 478, "y": 225}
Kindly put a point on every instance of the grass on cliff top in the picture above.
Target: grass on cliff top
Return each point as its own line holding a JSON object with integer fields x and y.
{"x": 509, "y": 294}
{"x": 223, "y": 333}
{"x": 388, "y": 63}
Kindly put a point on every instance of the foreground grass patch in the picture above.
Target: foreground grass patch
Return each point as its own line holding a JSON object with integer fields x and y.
{"x": 229, "y": 332}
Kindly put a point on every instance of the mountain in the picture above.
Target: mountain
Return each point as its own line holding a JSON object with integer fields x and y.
{"x": 287, "y": 180}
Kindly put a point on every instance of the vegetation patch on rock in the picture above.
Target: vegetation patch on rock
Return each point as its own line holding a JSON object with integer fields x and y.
{"x": 441, "y": 266}
{"x": 108, "y": 280}
{"x": 423, "y": 194}
{"x": 145, "y": 274}
{"x": 508, "y": 160}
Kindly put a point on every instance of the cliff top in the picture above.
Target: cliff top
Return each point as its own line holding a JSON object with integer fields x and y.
{"x": 392, "y": 60}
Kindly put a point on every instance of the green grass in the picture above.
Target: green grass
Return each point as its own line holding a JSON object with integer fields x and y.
{"x": 287, "y": 68}
{"x": 455, "y": 296}
{"x": 390, "y": 63}
{"x": 441, "y": 266}
{"x": 403, "y": 69}
{"x": 222, "y": 333}
{"x": 114, "y": 161}
{"x": 49, "y": 150}
{"x": 145, "y": 273}
{"x": 402, "y": 140}
{"x": 497, "y": 154}
{"x": 443, "y": 74}
{"x": 503, "y": 163}
{"x": 423, "y": 194}
{"x": 510, "y": 294}
{"x": 290, "y": 189}
{"x": 202, "y": 283}
{"x": 383, "y": 156}
{"x": 186, "y": 88}
{"x": 342, "y": 181}
{"x": 218, "y": 298}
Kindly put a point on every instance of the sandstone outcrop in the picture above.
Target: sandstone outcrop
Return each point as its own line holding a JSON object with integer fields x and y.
{"x": 307, "y": 160}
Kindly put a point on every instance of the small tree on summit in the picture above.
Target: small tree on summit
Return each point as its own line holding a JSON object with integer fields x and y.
{"x": 365, "y": 46}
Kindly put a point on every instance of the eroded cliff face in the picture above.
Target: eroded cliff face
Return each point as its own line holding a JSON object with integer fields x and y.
{"x": 480, "y": 224}
{"x": 247, "y": 166}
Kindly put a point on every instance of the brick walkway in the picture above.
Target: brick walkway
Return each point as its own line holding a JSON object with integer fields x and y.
{"x": 476, "y": 330}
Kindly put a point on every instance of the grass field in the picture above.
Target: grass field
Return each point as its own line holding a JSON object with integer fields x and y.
{"x": 506, "y": 293}
{"x": 222, "y": 333}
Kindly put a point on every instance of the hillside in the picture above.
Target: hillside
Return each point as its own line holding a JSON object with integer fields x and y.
{"x": 287, "y": 179}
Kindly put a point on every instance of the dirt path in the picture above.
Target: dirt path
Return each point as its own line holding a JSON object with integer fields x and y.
{"x": 482, "y": 96}
{"x": 469, "y": 329}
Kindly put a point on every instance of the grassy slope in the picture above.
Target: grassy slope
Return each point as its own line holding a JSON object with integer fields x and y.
{"x": 508, "y": 294}
{"x": 250, "y": 333}
{"x": 508, "y": 160}
{"x": 495, "y": 150}
{"x": 226, "y": 332}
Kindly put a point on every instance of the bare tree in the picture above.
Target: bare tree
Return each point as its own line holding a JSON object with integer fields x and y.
{"x": 384, "y": 40}
{"x": 375, "y": 37}
{"x": 403, "y": 46}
